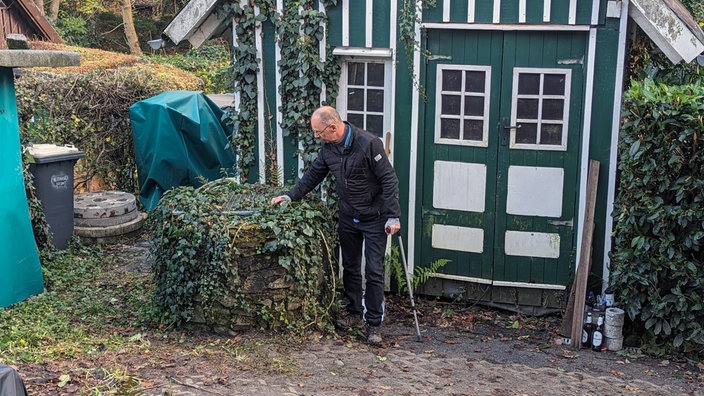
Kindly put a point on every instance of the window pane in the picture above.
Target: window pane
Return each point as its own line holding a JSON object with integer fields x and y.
{"x": 528, "y": 84}
{"x": 451, "y": 104}
{"x": 475, "y": 81}
{"x": 355, "y": 73}
{"x": 375, "y": 74}
{"x": 553, "y": 109}
{"x": 527, "y": 133}
{"x": 356, "y": 120}
{"x": 474, "y": 106}
{"x": 473, "y": 130}
{"x": 449, "y": 128}
{"x": 451, "y": 80}
{"x": 375, "y": 100}
{"x": 527, "y": 109}
{"x": 551, "y": 134}
{"x": 375, "y": 125}
{"x": 355, "y": 99}
{"x": 554, "y": 84}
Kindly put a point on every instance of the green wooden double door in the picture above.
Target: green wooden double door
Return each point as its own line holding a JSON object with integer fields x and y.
{"x": 501, "y": 138}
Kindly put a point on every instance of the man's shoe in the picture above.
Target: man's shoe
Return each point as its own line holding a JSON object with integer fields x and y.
{"x": 349, "y": 321}
{"x": 373, "y": 335}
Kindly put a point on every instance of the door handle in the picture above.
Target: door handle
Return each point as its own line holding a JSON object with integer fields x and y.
{"x": 507, "y": 131}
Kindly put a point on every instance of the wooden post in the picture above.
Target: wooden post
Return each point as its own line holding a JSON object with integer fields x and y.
{"x": 579, "y": 287}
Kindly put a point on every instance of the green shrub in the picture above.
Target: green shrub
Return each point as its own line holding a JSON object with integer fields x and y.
{"x": 211, "y": 62}
{"x": 88, "y": 106}
{"x": 657, "y": 258}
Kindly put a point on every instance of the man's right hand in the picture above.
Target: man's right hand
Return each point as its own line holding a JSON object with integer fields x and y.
{"x": 281, "y": 199}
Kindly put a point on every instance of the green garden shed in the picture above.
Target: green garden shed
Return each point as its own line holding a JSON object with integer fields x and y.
{"x": 491, "y": 112}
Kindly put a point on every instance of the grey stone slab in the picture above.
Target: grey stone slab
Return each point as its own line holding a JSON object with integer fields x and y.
{"x": 38, "y": 58}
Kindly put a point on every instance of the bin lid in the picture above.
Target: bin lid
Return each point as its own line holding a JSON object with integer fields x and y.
{"x": 45, "y": 152}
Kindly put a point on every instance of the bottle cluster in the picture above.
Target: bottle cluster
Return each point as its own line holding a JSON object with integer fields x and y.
{"x": 595, "y": 315}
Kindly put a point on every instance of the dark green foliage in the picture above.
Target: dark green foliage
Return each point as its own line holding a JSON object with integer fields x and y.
{"x": 199, "y": 233}
{"x": 657, "y": 267}
{"x": 212, "y": 63}
{"x": 91, "y": 111}
{"x": 648, "y": 62}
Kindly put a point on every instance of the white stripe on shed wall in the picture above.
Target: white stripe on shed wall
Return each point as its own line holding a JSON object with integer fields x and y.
{"x": 595, "y": 12}
{"x": 521, "y": 11}
{"x": 280, "y": 155}
{"x": 463, "y": 239}
{"x": 532, "y": 244}
{"x": 446, "y": 11}
{"x": 345, "y": 23}
{"x": 586, "y": 134}
{"x": 615, "y": 124}
{"x": 546, "y": 10}
{"x": 413, "y": 162}
{"x": 497, "y": 11}
{"x": 470, "y": 11}
{"x": 392, "y": 41}
{"x": 369, "y": 24}
{"x": 572, "y": 18}
{"x": 261, "y": 126}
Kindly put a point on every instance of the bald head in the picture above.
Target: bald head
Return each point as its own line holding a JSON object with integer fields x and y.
{"x": 327, "y": 124}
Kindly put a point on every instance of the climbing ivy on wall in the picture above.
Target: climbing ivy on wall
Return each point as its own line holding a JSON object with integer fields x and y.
{"x": 244, "y": 72}
{"x": 300, "y": 28}
{"x": 409, "y": 16}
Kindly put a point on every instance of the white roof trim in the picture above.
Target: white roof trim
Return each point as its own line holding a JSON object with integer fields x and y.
{"x": 668, "y": 29}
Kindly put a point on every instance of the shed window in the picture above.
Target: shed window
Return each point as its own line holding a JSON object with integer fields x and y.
{"x": 366, "y": 95}
{"x": 462, "y": 105}
{"x": 540, "y": 109}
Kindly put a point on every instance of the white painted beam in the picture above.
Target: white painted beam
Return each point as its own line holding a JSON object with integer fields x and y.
{"x": 667, "y": 29}
{"x": 189, "y": 18}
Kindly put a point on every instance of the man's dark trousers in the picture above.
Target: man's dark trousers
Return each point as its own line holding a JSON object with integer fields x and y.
{"x": 352, "y": 234}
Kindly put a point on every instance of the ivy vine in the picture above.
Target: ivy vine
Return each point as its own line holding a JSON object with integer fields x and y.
{"x": 300, "y": 28}
{"x": 410, "y": 15}
{"x": 206, "y": 241}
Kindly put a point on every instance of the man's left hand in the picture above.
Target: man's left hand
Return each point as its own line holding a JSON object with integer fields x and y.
{"x": 393, "y": 225}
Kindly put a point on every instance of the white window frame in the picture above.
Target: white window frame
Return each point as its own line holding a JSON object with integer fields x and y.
{"x": 342, "y": 92}
{"x": 438, "y": 104}
{"x": 565, "y": 111}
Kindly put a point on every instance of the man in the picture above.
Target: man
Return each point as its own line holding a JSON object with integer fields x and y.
{"x": 367, "y": 188}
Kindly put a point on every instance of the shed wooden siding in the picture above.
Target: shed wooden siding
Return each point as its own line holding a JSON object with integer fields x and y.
{"x": 361, "y": 24}
{"x": 556, "y": 12}
{"x": 23, "y": 17}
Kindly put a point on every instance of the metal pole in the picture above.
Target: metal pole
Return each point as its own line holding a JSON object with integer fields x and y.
{"x": 410, "y": 287}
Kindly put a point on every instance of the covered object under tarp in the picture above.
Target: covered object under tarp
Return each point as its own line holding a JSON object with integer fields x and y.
{"x": 180, "y": 139}
{"x": 11, "y": 383}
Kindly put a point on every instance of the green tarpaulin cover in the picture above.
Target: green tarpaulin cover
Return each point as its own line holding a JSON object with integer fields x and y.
{"x": 20, "y": 270}
{"x": 180, "y": 139}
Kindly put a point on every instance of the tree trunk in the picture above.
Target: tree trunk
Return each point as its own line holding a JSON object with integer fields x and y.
{"x": 54, "y": 11}
{"x": 130, "y": 32}
{"x": 40, "y": 5}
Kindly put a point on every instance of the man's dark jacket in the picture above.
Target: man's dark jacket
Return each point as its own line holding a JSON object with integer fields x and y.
{"x": 367, "y": 186}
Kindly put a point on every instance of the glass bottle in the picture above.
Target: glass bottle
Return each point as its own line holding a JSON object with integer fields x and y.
{"x": 587, "y": 330}
{"x": 598, "y": 335}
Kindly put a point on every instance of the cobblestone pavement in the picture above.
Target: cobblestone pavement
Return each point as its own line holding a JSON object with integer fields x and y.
{"x": 446, "y": 362}
{"x": 468, "y": 351}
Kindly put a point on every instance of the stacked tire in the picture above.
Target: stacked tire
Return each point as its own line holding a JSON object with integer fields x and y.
{"x": 106, "y": 216}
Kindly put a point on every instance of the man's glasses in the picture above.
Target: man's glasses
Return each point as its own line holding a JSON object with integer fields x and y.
{"x": 320, "y": 132}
